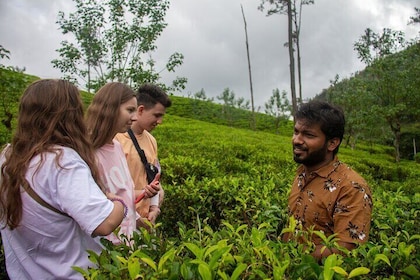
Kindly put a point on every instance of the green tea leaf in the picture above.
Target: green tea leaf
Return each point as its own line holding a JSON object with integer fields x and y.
{"x": 340, "y": 270}
{"x": 204, "y": 271}
{"x": 133, "y": 268}
{"x": 412, "y": 271}
{"x": 359, "y": 271}
{"x": 238, "y": 270}
{"x": 381, "y": 257}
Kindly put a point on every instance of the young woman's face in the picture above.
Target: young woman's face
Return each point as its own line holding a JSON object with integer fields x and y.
{"x": 127, "y": 115}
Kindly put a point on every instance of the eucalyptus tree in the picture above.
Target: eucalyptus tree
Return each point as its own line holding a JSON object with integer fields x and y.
{"x": 113, "y": 40}
{"x": 393, "y": 78}
{"x": 293, "y": 10}
{"x": 253, "y": 124}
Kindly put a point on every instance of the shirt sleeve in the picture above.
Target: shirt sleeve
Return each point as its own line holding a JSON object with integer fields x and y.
{"x": 80, "y": 196}
{"x": 352, "y": 213}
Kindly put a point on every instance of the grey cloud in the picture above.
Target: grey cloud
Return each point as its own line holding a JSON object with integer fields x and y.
{"x": 210, "y": 34}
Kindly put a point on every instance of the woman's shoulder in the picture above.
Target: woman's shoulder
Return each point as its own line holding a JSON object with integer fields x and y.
{"x": 66, "y": 156}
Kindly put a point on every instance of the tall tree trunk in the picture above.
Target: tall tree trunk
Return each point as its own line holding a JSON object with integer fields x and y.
{"x": 297, "y": 30}
{"x": 396, "y": 130}
{"x": 299, "y": 68}
{"x": 88, "y": 73}
{"x": 291, "y": 57}
{"x": 253, "y": 124}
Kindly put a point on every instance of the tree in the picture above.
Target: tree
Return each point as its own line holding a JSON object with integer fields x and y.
{"x": 416, "y": 18}
{"x": 361, "y": 123}
{"x": 289, "y": 7}
{"x": 228, "y": 98}
{"x": 253, "y": 124}
{"x": 279, "y": 107}
{"x": 113, "y": 41}
{"x": 393, "y": 79}
{"x": 201, "y": 95}
{"x": 241, "y": 103}
{"x": 297, "y": 21}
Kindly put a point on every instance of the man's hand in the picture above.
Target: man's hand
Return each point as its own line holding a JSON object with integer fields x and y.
{"x": 153, "y": 188}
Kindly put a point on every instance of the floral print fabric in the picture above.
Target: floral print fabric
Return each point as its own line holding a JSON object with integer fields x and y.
{"x": 333, "y": 199}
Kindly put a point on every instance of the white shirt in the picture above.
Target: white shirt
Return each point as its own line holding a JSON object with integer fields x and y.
{"x": 46, "y": 244}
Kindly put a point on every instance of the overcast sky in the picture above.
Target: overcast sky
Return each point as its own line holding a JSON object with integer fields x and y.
{"x": 211, "y": 36}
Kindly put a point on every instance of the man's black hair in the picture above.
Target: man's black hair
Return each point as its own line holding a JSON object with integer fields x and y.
{"x": 329, "y": 117}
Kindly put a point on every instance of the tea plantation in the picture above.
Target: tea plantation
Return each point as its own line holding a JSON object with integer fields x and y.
{"x": 225, "y": 209}
{"x": 225, "y": 204}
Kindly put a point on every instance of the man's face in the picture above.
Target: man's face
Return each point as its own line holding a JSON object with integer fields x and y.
{"x": 310, "y": 146}
{"x": 148, "y": 119}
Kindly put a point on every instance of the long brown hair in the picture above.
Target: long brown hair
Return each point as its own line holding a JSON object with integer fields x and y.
{"x": 50, "y": 115}
{"x": 103, "y": 112}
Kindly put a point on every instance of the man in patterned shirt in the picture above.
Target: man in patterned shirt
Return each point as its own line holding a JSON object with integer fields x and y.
{"x": 327, "y": 195}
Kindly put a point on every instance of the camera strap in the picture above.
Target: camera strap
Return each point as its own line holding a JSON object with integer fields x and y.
{"x": 136, "y": 144}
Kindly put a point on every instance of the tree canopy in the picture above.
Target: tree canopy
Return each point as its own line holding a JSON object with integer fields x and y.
{"x": 113, "y": 41}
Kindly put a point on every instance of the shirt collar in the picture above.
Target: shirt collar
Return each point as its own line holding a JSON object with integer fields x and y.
{"x": 324, "y": 171}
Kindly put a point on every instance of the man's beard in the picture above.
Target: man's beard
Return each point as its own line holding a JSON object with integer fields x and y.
{"x": 312, "y": 158}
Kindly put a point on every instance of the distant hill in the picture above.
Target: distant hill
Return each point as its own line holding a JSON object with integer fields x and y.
{"x": 374, "y": 130}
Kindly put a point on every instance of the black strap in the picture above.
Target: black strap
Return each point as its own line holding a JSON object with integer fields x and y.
{"x": 136, "y": 144}
{"x": 38, "y": 199}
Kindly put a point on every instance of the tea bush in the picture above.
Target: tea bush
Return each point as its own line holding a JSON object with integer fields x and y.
{"x": 225, "y": 209}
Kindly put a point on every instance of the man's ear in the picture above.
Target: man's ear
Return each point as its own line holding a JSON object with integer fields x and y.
{"x": 333, "y": 144}
{"x": 140, "y": 109}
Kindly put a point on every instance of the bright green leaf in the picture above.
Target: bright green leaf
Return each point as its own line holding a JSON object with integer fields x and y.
{"x": 359, "y": 271}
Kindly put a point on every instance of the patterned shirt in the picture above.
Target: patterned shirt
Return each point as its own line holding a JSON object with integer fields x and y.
{"x": 333, "y": 199}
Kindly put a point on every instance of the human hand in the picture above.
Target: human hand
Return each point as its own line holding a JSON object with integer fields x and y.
{"x": 153, "y": 213}
{"x": 153, "y": 188}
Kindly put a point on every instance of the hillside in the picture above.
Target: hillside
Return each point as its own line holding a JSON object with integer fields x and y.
{"x": 381, "y": 102}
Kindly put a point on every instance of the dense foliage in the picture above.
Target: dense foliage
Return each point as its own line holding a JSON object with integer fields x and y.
{"x": 225, "y": 209}
{"x": 381, "y": 102}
